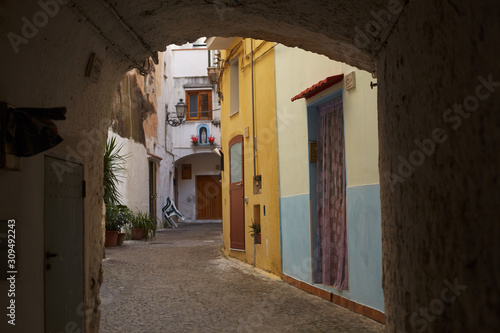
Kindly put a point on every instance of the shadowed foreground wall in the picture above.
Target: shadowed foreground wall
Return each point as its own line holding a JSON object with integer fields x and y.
{"x": 440, "y": 211}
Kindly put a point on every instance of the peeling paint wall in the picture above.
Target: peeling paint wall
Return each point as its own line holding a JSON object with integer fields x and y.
{"x": 134, "y": 113}
{"x": 135, "y": 123}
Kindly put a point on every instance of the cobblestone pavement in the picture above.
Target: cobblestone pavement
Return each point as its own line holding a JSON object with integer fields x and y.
{"x": 179, "y": 282}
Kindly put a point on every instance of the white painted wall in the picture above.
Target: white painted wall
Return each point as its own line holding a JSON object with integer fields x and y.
{"x": 135, "y": 187}
{"x": 190, "y": 60}
{"x": 187, "y": 65}
{"x": 163, "y": 149}
{"x": 135, "y": 182}
{"x": 202, "y": 164}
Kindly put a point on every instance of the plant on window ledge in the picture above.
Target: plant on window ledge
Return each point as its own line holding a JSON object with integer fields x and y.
{"x": 255, "y": 232}
{"x": 194, "y": 140}
{"x": 211, "y": 139}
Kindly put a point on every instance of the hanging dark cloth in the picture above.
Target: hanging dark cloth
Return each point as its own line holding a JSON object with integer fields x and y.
{"x": 331, "y": 252}
{"x": 28, "y": 131}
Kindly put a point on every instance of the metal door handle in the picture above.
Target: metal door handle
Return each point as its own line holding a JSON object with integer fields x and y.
{"x": 238, "y": 184}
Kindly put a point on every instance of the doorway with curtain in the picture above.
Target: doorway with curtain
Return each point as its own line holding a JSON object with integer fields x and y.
{"x": 328, "y": 197}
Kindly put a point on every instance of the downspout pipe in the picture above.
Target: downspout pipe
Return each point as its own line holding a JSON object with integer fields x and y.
{"x": 253, "y": 114}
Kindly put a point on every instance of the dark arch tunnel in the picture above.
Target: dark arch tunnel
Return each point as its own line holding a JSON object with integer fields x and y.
{"x": 438, "y": 91}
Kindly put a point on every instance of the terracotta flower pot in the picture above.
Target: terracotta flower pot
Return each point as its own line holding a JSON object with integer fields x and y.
{"x": 257, "y": 239}
{"x": 111, "y": 238}
{"x": 137, "y": 234}
{"x": 121, "y": 238}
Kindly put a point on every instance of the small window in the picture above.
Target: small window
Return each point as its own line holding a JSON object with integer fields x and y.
{"x": 199, "y": 105}
{"x": 186, "y": 171}
{"x": 234, "y": 88}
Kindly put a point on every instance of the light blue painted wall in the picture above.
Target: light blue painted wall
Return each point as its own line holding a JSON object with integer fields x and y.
{"x": 364, "y": 239}
{"x": 296, "y": 237}
{"x": 364, "y": 243}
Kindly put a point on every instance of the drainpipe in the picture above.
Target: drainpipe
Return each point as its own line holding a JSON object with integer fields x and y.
{"x": 253, "y": 116}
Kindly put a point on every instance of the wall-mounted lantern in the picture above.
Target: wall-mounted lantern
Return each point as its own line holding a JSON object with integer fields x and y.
{"x": 180, "y": 110}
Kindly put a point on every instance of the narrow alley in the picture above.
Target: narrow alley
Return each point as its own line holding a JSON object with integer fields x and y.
{"x": 180, "y": 282}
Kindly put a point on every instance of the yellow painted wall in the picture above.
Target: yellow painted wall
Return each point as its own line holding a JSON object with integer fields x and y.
{"x": 268, "y": 253}
{"x": 297, "y": 70}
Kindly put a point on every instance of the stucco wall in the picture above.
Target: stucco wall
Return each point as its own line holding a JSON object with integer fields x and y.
{"x": 135, "y": 181}
{"x": 51, "y": 77}
{"x": 298, "y": 175}
{"x": 296, "y": 70}
{"x": 268, "y": 253}
{"x": 360, "y": 118}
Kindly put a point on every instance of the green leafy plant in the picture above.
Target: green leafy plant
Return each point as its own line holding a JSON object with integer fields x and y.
{"x": 117, "y": 217}
{"x": 255, "y": 229}
{"x": 114, "y": 170}
{"x": 144, "y": 221}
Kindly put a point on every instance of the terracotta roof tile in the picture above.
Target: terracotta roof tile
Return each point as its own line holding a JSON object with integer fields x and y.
{"x": 319, "y": 87}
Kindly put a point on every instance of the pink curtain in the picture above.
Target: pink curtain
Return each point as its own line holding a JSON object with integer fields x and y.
{"x": 331, "y": 197}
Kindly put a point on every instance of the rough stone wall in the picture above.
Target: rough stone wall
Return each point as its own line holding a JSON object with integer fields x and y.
{"x": 322, "y": 27}
{"x": 440, "y": 194}
{"x": 49, "y": 70}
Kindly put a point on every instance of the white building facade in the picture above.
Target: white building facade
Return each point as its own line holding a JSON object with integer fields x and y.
{"x": 197, "y": 165}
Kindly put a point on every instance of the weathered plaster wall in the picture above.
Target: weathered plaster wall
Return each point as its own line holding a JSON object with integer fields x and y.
{"x": 52, "y": 74}
{"x": 441, "y": 201}
{"x": 165, "y": 174}
{"x": 134, "y": 107}
{"x": 139, "y": 119}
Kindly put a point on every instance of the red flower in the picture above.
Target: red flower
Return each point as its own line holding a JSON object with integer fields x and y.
{"x": 211, "y": 139}
{"x": 194, "y": 139}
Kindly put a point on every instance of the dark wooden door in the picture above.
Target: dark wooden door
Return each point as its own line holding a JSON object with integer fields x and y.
{"x": 63, "y": 235}
{"x": 236, "y": 194}
{"x": 208, "y": 198}
{"x": 152, "y": 190}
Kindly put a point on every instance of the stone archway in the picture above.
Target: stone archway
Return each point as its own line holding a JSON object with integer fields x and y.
{"x": 438, "y": 92}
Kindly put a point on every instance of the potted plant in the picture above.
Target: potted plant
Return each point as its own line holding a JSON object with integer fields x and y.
{"x": 211, "y": 140}
{"x": 255, "y": 232}
{"x": 143, "y": 226}
{"x": 124, "y": 216}
{"x": 113, "y": 169}
{"x": 194, "y": 140}
{"x": 113, "y": 226}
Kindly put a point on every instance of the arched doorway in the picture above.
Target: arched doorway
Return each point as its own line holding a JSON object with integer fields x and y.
{"x": 437, "y": 69}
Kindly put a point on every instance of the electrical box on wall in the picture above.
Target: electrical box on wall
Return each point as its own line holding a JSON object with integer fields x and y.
{"x": 257, "y": 184}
